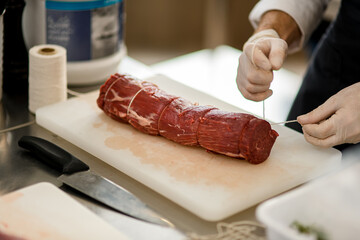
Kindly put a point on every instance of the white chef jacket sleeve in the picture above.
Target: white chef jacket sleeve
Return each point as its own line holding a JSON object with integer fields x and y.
{"x": 306, "y": 13}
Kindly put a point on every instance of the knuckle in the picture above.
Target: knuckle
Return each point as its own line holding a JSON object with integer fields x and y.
{"x": 326, "y": 129}
{"x": 250, "y": 87}
{"x": 318, "y": 133}
{"x": 283, "y": 45}
{"x": 264, "y": 44}
{"x": 256, "y": 76}
{"x": 258, "y": 97}
{"x": 245, "y": 93}
{"x": 251, "y": 75}
{"x": 332, "y": 101}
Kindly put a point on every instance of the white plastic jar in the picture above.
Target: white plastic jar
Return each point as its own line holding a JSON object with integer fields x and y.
{"x": 92, "y": 31}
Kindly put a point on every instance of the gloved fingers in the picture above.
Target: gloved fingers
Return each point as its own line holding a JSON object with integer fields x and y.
{"x": 257, "y": 97}
{"x": 278, "y": 53}
{"x": 344, "y": 124}
{"x": 257, "y": 54}
{"x": 267, "y": 53}
{"x": 256, "y": 76}
{"x": 342, "y": 127}
{"x": 321, "y": 142}
{"x": 256, "y": 88}
{"x": 263, "y": 53}
{"x": 253, "y": 83}
{"x": 320, "y": 113}
{"x": 321, "y": 130}
{"x": 247, "y": 72}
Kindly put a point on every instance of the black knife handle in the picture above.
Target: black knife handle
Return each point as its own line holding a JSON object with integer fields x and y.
{"x": 52, "y": 155}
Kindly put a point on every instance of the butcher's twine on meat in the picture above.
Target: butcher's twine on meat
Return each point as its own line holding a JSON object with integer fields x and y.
{"x": 47, "y": 75}
{"x": 132, "y": 99}
{"x": 242, "y": 230}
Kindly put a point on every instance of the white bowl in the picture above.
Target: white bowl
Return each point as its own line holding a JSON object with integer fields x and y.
{"x": 331, "y": 203}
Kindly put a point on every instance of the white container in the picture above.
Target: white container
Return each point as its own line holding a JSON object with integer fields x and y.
{"x": 90, "y": 30}
{"x": 331, "y": 204}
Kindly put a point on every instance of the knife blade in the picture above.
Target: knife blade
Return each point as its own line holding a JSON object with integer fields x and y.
{"x": 78, "y": 175}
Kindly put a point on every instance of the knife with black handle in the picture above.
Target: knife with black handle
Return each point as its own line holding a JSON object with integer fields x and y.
{"x": 77, "y": 175}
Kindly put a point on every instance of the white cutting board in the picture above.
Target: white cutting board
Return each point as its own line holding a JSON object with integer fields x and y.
{"x": 44, "y": 212}
{"x": 207, "y": 184}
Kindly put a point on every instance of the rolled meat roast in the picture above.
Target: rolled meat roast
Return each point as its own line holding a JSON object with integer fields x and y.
{"x": 153, "y": 111}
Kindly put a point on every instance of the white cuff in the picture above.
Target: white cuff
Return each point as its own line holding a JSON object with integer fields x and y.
{"x": 306, "y": 13}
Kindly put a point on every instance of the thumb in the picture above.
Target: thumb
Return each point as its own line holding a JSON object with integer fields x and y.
{"x": 278, "y": 53}
{"x": 318, "y": 114}
{"x": 257, "y": 53}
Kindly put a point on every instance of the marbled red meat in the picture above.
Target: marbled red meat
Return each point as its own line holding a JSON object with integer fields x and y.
{"x": 221, "y": 132}
{"x": 153, "y": 111}
{"x": 116, "y": 94}
{"x": 180, "y": 121}
{"x": 4, "y": 236}
{"x": 146, "y": 119}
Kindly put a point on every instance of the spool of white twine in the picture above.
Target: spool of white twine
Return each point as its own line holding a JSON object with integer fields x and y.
{"x": 47, "y": 75}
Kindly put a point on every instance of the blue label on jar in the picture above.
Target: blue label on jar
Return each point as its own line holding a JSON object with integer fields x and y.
{"x": 72, "y": 6}
{"x": 88, "y": 30}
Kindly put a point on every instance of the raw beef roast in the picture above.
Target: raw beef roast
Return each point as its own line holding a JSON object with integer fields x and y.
{"x": 151, "y": 110}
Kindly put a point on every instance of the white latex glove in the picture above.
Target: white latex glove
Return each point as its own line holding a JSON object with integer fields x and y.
{"x": 264, "y": 52}
{"x": 335, "y": 122}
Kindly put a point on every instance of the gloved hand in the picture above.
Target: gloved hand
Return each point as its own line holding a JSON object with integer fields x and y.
{"x": 264, "y": 52}
{"x": 335, "y": 122}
